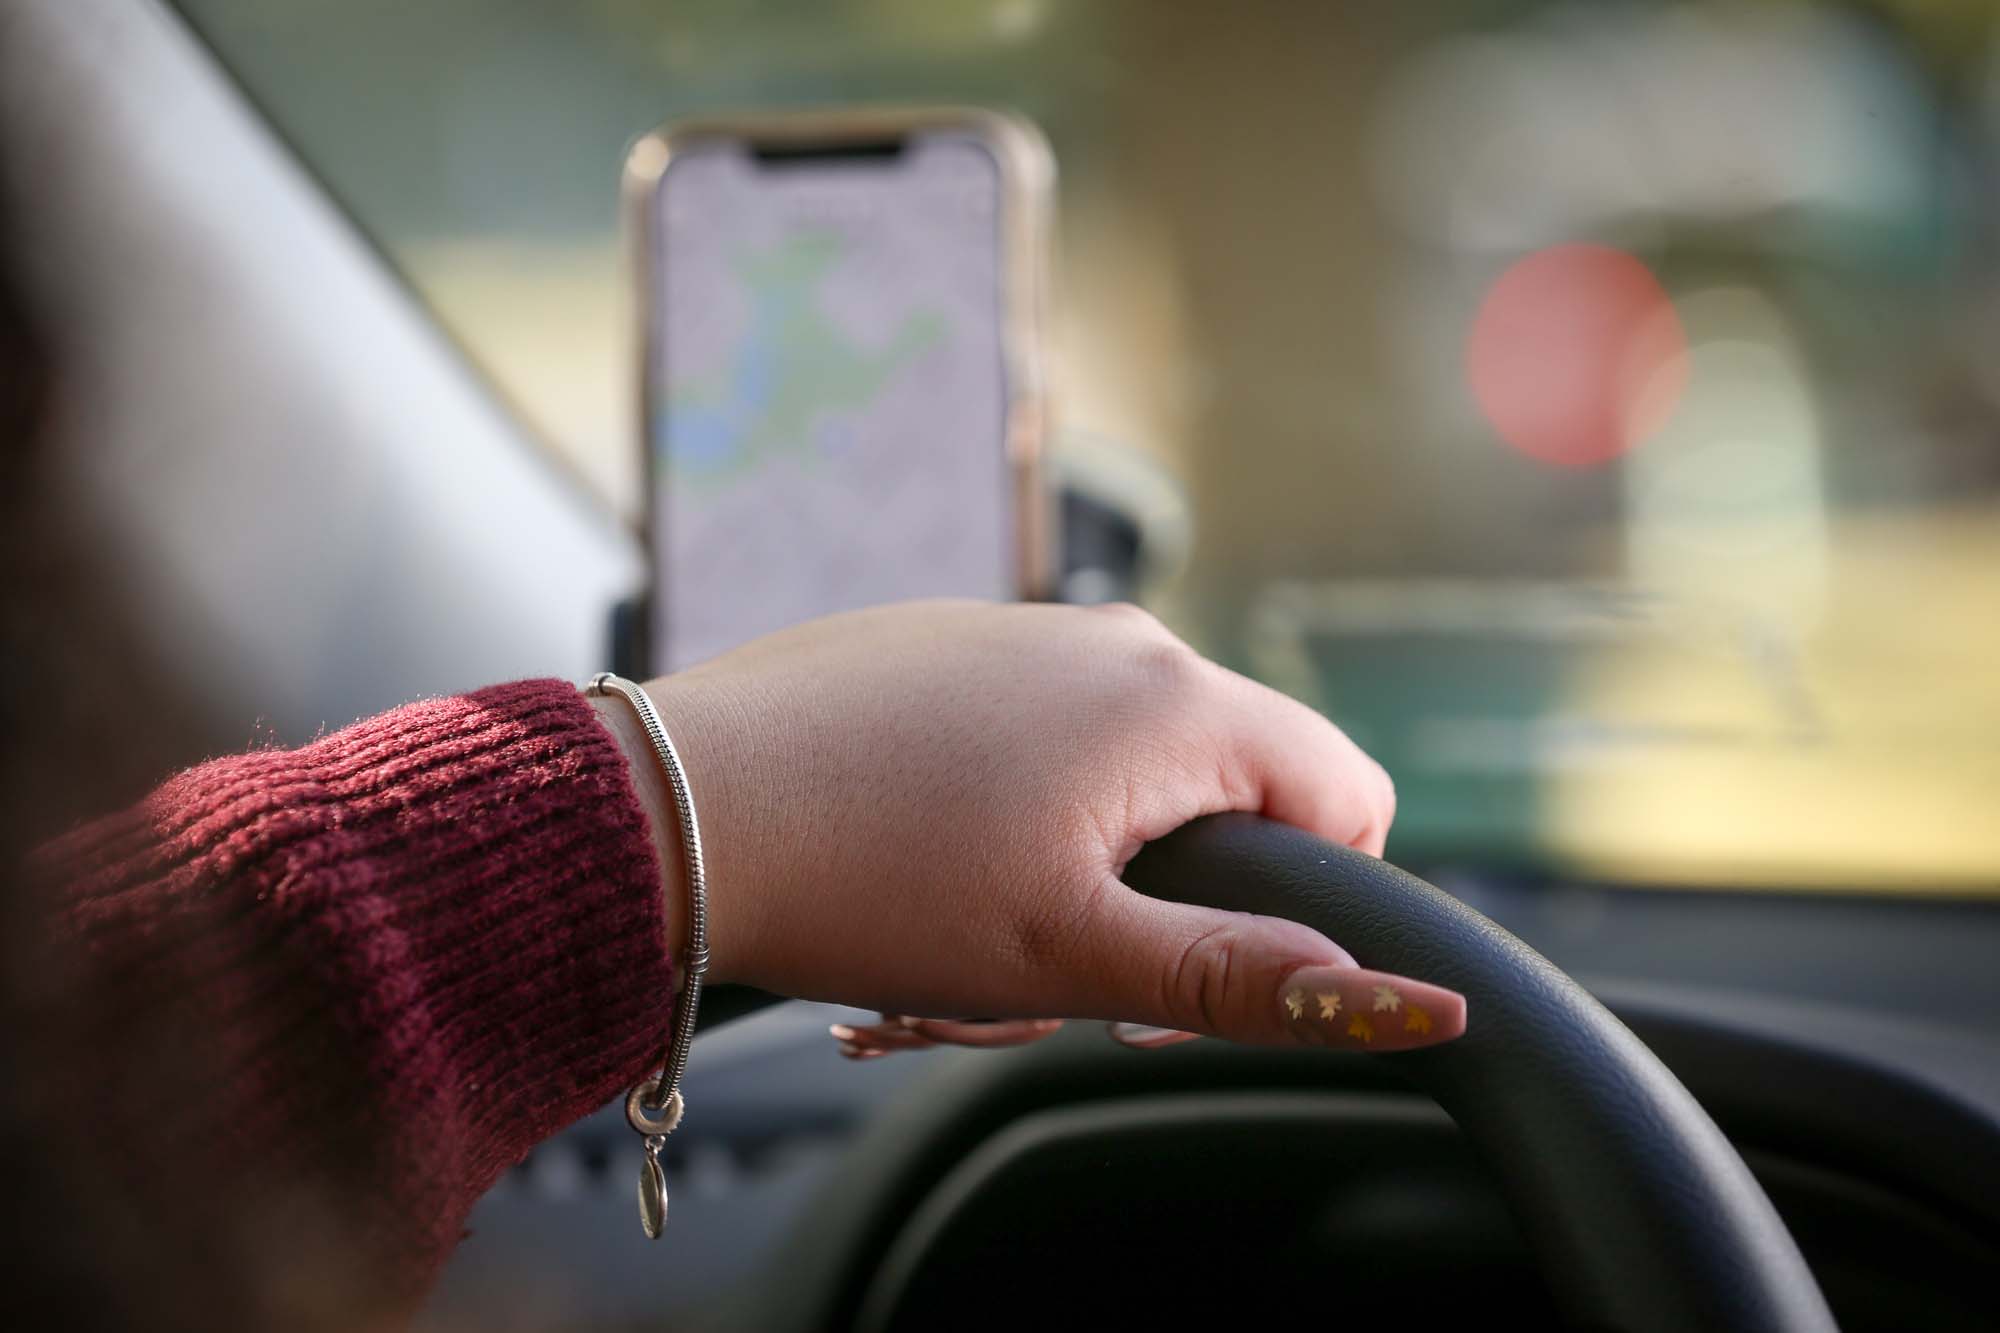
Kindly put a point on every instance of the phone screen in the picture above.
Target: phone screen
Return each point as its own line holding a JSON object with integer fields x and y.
{"x": 829, "y": 392}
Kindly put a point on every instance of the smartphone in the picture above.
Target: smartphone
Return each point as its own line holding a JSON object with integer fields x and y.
{"x": 842, "y": 389}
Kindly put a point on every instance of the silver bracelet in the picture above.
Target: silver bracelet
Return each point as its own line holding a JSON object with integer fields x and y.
{"x": 653, "y": 1107}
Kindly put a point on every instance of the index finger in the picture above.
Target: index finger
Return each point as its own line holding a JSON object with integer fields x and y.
{"x": 1292, "y": 764}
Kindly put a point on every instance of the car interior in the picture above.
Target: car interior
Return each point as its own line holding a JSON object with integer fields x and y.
{"x": 1697, "y": 748}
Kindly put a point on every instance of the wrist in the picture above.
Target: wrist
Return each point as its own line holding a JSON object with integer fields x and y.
{"x": 649, "y": 784}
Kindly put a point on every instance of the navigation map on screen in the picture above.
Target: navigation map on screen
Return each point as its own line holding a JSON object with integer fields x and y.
{"x": 830, "y": 402}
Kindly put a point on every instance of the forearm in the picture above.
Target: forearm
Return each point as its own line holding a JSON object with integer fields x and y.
{"x": 354, "y": 982}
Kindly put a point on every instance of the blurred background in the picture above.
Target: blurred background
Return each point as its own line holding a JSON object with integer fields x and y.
{"x": 1596, "y": 408}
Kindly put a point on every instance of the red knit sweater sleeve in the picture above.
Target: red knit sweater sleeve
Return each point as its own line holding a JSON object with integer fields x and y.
{"x": 351, "y": 984}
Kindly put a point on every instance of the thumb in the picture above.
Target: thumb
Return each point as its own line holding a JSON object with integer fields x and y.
{"x": 1255, "y": 979}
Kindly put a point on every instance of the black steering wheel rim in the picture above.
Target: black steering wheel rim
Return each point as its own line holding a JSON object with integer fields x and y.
{"x": 1642, "y": 1214}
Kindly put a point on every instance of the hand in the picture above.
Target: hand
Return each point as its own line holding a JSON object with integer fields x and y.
{"x": 925, "y": 808}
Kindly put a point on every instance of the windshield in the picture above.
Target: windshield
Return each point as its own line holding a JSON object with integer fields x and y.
{"x": 1594, "y": 409}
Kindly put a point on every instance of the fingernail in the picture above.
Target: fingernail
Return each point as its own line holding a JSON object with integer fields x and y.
{"x": 1354, "y": 1008}
{"x": 849, "y": 1049}
{"x": 910, "y": 1022}
{"x": 1047, "y": 1024}
{"x": 842, "y": 1031}
{"x": 1141, "y": 1037}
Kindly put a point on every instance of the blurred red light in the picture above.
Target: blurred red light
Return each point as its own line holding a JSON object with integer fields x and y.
{"x": 1576, "y": 354}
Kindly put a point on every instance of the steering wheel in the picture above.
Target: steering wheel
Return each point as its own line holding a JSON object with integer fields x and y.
{"x": 1642, "y": 1214}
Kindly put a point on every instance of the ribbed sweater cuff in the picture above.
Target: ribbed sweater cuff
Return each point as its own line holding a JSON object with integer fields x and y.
{"x": 422, "y": 944}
